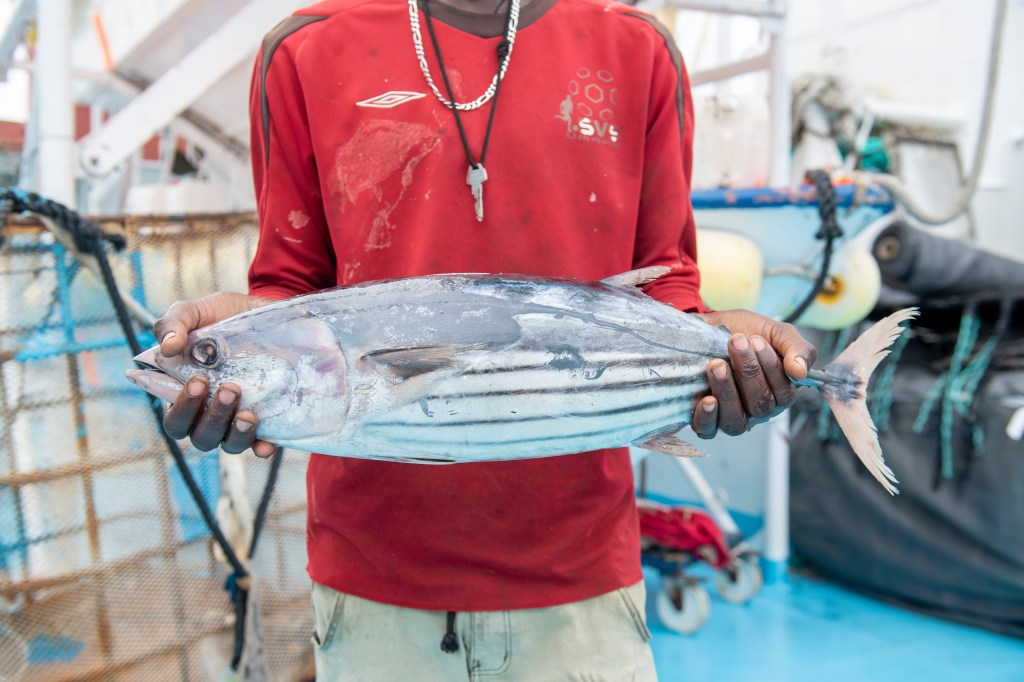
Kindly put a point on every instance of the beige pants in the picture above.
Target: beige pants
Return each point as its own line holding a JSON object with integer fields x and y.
{"x": 603, "y": 639}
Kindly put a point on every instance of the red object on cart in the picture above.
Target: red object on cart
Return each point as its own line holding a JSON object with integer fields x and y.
{"x": 687, "y": 530}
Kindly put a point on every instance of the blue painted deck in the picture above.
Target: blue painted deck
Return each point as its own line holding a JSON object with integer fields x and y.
{"x": 807, "y": 630}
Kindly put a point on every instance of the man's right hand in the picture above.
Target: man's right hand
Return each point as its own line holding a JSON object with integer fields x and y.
{"x": 220, "y": 422}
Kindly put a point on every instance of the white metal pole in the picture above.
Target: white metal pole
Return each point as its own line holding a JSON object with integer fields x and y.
{"x": 776, "y": 515}
{"x": 776, "y": 500}
{"x": 55, "y": 104}
{"x": 781, "y": 98}
{"x": 725, "y": 26}
{"x": 707, "y": 495}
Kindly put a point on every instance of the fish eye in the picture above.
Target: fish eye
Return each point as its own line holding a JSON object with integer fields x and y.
{"x": 207, "y": 353}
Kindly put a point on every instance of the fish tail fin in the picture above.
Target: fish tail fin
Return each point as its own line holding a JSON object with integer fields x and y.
{"x": 846, "y": 396}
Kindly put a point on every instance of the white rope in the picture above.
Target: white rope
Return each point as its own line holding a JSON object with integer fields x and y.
{"x": 900, "y": 191}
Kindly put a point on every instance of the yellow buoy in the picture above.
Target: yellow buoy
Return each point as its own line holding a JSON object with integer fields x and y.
{"x": 850, "y": 292}
{"x": 731, "y": 269}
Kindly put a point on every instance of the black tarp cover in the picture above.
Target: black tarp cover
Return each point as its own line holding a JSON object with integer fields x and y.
{"x": 953, "y": 547}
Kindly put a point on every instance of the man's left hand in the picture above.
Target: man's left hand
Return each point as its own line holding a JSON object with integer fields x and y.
{"x": 757, "y": 388}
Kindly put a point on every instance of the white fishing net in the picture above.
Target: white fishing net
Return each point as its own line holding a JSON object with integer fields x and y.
{"x": 107, "y": 570}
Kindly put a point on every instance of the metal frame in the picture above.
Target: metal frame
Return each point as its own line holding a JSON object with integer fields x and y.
{"x": 158, "y": 105}
{"x": 772, "y": 14}
{"x": 13, "y": 33}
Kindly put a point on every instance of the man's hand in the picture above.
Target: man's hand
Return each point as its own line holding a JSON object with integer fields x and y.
{"x": 758, "y": 387}
{"x": 189, "y": 416}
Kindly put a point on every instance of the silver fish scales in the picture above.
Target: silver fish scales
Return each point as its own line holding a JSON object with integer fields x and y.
{"x": 475, "y": 367}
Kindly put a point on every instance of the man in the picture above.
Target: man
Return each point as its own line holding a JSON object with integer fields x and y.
{"x": 574, "y": 162}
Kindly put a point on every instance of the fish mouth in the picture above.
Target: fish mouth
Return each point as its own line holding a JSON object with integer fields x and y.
{"x": 152, "y": 378}
{"x": 141, "y": 364}
{"x": 149, "y": 360}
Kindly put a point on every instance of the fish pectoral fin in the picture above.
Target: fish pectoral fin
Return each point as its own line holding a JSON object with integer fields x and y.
{"x": 407, "y": 363}
{"x": 669, "y": 444}
{"x": 636, "y": 278}
{"x": 411, "y": 373}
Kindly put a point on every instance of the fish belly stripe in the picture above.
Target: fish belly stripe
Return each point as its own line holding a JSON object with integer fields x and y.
{"x": 618, "y": 435}
{"x": 636, "y": 418}
{"x": 508, "y": 404}
{"x": 432, "y": 423}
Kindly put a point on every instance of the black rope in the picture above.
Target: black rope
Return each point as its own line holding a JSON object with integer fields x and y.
{"x": 450, "y": 641}
{"x": 264, "y": 506}
{"x": 829, "y": 231}
{"x": 89, "y": 238}
{"x": 242, "y": 605}
{"x": 503, "y": 48}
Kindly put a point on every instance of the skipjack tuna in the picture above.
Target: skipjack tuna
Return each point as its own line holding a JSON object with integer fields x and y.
{"x": 473, "y": 367}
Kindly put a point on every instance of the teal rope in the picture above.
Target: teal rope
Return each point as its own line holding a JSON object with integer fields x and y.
{"x": 967, "y": 383}
{"x": 828, "y": 348}
{"x": 951, "y": 398}
{"x": 964, "y": 387}
{"x": 827, "y": 429}
{"x": 929, "y": 402}
{"x": 880, "y": 406}
{"x": 955, "y": 389}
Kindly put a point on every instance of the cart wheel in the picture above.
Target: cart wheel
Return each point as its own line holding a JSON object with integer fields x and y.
{"x": 682, "y": 607}
{"x": 740, "y": 581}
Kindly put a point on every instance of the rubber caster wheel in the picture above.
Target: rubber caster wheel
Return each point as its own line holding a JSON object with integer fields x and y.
{"x": 740, "y": 581}
{"x": 683, "y": 608}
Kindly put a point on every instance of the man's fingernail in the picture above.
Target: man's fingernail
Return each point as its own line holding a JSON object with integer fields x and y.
{"x": 719, "y": 370}
{"x": 168, "y": 336}
{"x": 196, "y": 388}
{"x": 242, "y": 426}
{"x": 757, "y": 342}
{"x": 709, "y": 407}
{"x": 226, "y": 396}
{"x": 803, "y": 363}
{"x": 739, "y": 342}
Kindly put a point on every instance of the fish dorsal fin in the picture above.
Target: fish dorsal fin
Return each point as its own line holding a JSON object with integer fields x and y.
{"x": 407, "y": 363}
{"x": 636, "y": 278}
{"x": 669, "y": 444}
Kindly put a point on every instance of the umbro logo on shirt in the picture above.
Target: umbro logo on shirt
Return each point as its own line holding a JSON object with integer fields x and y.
{"x": 390, "y": 99}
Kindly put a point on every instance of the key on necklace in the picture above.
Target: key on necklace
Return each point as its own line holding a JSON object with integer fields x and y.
{"x": 475, "y": 178}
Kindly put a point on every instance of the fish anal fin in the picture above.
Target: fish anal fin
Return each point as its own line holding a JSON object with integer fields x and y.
{"x": 636, "y": 278}
{"x": 428, "y": 460}
{"x": 670, "y": 444}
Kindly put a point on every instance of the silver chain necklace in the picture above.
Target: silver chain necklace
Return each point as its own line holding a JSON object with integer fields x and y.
{"x": 417, "y": 40}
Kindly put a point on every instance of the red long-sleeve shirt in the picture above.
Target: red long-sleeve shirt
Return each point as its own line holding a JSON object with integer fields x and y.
{"x": 360, "y": 174}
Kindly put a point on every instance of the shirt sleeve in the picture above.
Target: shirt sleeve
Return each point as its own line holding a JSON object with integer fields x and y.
{"x": 295, "y": 254}
{"x": 666, "y": 234}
